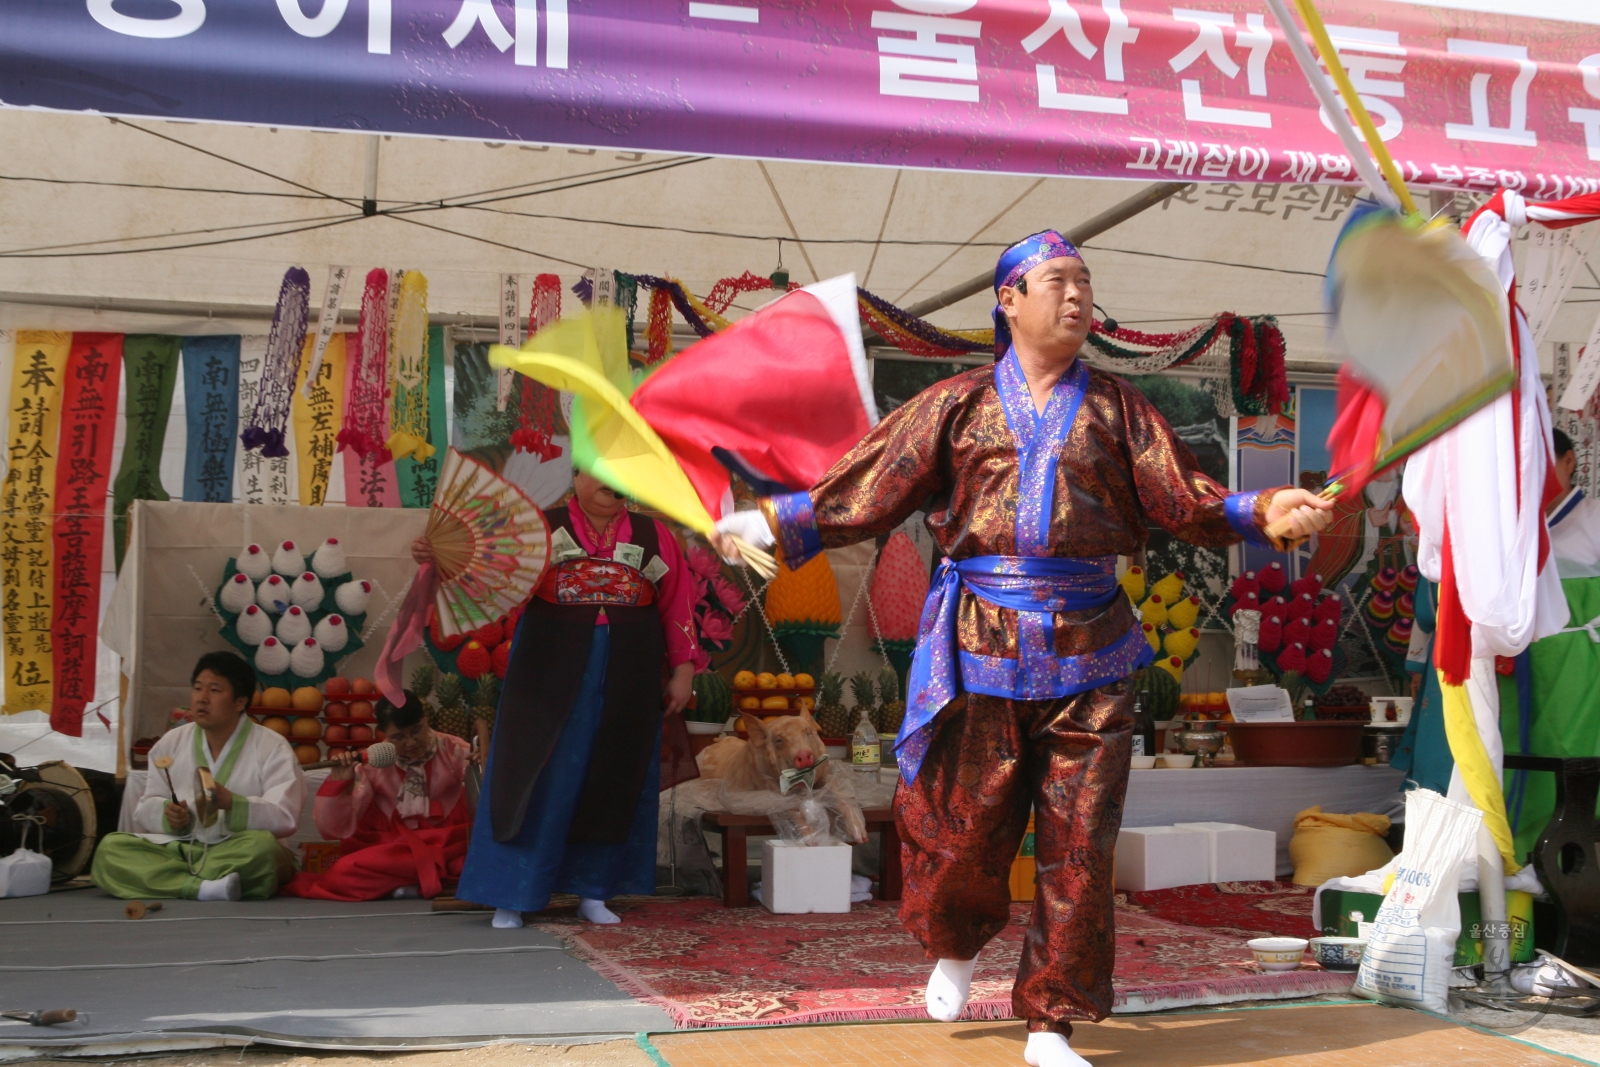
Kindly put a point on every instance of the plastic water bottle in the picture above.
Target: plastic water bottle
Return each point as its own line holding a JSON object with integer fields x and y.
{"x": 866, "y": 751}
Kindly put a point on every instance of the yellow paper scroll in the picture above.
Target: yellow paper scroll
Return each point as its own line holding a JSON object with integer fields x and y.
{"x": 1477, "y": 773}
{"x": 610, "y": 440}
{"x": 316, "y": 419}
{"x": 27, "y": 553}
{"x": 408, "y": 371}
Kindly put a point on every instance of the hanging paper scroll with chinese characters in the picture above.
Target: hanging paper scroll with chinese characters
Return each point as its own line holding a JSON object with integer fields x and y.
{"x": 211, "y": 402}
{"x": 27, "y": 572}
{"x": 408, "y": 369}
{"x": 83, "y": 467}
{"x": 260, "y": 479}
{"x": 151, "y": 361}
{"x": 316, "y": 420}
{"x": 415, "y": 479}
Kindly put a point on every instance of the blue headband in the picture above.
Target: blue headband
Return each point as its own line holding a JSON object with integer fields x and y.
{"x": 1018, "y": 260}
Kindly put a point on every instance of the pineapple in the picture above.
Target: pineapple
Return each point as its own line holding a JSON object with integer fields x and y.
{"x": 423, "y": 679}
{"x": 832, "y": 718}
{"x": 862, "y": 689}
{"x": 891, "y": 710}
{"x": 486, "y": 699}
{"x": 449, "y": 714}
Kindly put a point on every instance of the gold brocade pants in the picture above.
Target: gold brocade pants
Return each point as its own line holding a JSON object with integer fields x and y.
{"x": 962, "y": 822}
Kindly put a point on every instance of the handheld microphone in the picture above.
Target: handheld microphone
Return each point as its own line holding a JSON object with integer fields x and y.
{"x": 381, "y": 754}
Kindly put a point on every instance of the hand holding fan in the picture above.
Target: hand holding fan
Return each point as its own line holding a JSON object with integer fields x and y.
{"x": 491, "y": 546}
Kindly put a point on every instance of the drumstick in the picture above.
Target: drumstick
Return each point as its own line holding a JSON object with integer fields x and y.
{"x": 165, "y": 762}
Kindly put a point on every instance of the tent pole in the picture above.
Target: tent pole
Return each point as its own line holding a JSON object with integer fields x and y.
{"x": 369, "y": 192}
{"x": 1115, "y": 215}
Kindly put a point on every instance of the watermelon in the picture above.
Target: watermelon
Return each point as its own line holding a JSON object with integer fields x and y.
{"x": 713, "y": 699}
{"x": 1160, "y": 690}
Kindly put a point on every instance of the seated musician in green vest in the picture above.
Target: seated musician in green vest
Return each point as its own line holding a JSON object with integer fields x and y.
{"x": 235, "y": 855}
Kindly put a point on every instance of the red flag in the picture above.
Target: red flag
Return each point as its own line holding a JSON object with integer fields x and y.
{"x": 779, "y": 396}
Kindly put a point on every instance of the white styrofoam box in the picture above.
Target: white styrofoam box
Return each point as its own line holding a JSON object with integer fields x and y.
{"x": 1238, "y": 853}
{"x": 1160, "y": 857}
{"x": 800, "y": 879}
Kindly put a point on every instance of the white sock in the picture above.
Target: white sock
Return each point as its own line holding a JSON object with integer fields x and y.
{"x": 506, "y": 919}
{"x": 595, "y": 911}
{"x": 228, "y": 887}
{"x": 407, "y": 892}
{"x": 1051, "y": 1050}
{"x": 948, "y": 988}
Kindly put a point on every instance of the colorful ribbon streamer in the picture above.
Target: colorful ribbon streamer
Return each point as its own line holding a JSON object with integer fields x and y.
{"x": 539, "y": 416}
{"x": 369, "y": 480}
{"x": 416, "y": 478}
{"x": 83, "y": 467}
{"x": 366, "y": 389}
{"x": 260, "y": 480}
{"x": 408, "y": 367}
{"x": 317, "y": 405}
{"x": 211, "y": 405}
{"x": 270, "y": 420}
{"x": 150, "y": 364}
{"x": 27, "y": 564}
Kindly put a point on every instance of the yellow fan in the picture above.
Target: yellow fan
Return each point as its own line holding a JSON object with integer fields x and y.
{"x": 491, "y": 545}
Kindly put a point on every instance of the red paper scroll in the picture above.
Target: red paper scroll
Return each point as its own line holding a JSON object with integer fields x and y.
{"x": 83, "y": 466}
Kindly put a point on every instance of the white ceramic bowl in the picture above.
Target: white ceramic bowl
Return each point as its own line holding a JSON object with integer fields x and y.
{"x": 1173, "y": 760}
{"x": 1278, "y": 953}
{"x": 1143, "y": 763}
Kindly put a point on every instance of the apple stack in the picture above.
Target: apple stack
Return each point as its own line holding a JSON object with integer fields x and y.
{"x": 352, "y": 722}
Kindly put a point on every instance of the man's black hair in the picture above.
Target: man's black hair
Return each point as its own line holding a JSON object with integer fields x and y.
{"x": 232, "y": 667}
{"x": 1563, "y": 443}
{"x": 393, "y": 718}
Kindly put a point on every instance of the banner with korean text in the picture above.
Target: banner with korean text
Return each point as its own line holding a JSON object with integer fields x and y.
{"x": 1143, "y": 89}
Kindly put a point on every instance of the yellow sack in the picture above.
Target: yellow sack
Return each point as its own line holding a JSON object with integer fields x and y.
{"x": 1327, "y": 846}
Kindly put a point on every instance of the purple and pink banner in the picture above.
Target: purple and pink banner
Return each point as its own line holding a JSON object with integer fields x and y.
{"x": 1139, "y": 89}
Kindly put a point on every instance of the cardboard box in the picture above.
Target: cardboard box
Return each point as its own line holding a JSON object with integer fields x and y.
{"x": 1238, "y": 853}
{"x": 1161, "y": 857}
{"x": 801, "y": 879}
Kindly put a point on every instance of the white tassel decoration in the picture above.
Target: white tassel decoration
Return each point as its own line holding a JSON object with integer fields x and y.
{"x": 328, "y": 560}
{"x": 254, "y": 562}
{"x": 352, "y": 597}
{"x": 273, "y": 594}
{"x": 306, "y": 660}
{"x": 272, "y": 658}
{"x": 306, "y": 592}
{"x": 287, "y": 560}
{"x": 253, "y": 625}
{"x": 238, "y": 593}
{"x": 332, "y": 634}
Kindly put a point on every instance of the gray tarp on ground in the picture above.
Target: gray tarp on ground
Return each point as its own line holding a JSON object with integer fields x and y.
{"x": 467, "y": 984}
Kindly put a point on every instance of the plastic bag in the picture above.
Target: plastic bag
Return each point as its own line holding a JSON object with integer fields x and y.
{"x": 1327, "y": 846}
{"x": 25, "y": 874}
{"x": 1412, "y": 945}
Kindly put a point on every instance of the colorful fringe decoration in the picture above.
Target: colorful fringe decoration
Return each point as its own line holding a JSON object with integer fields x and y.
{"x": 270, "y": 420}
{"x": 363, "y": 430}
{"x": 1252, "y": 346}
{"x": 408, "y": 367}
{"x": 540, "y": 409}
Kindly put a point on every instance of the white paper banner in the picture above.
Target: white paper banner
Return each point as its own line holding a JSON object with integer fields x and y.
{"x": 510, "y": 335}
{"x": 1586, "y": 375}
{"x": 326, "y": 324}
{"x": 1549, "y": 270}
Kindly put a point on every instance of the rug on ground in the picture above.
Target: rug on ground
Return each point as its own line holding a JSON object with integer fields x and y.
{"x": 706, "y": 965}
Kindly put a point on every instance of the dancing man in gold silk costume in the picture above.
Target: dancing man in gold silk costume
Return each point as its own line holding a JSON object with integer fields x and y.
{"x": 1035, "y": 473}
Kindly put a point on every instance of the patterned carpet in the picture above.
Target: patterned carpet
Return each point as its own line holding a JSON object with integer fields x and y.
{"x": 707, "y": 965}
